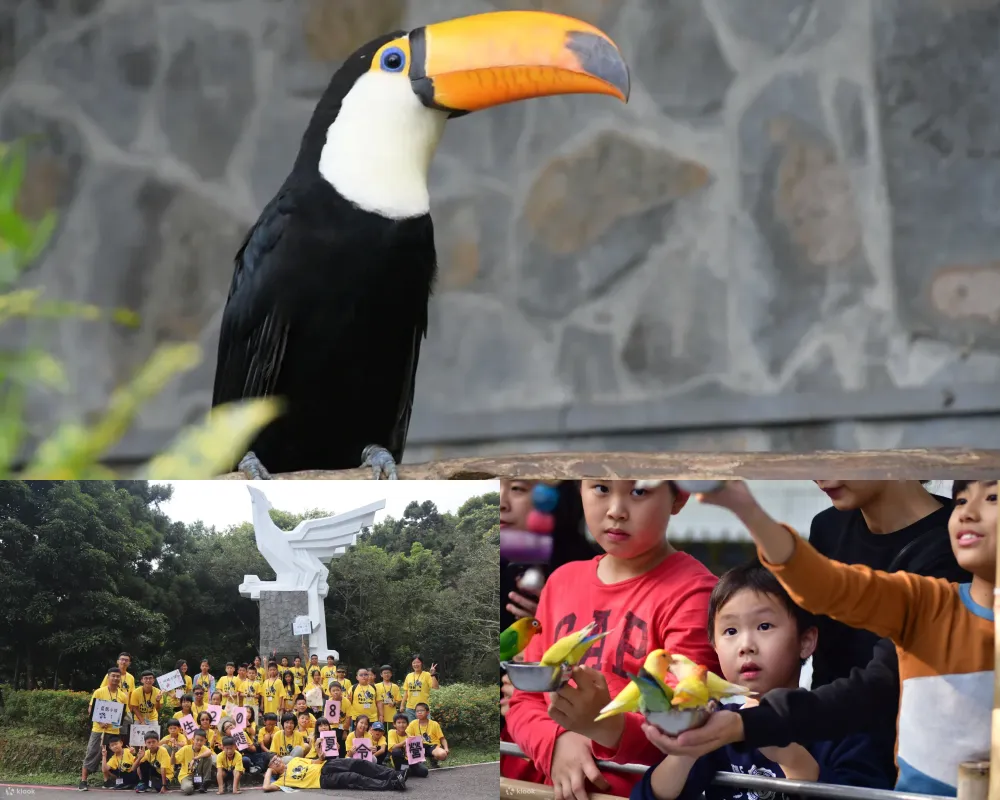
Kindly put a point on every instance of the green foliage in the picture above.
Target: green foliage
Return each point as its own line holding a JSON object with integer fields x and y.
{"x": 74, "y": 450}
{"x": 132, "y": 579}
{"x": 61, "y": 715}
{"x": 23, "y": 753}
{"x": 469, "y": 715}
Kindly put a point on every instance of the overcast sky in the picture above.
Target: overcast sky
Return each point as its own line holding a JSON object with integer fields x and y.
{"x": 223, "y": 503}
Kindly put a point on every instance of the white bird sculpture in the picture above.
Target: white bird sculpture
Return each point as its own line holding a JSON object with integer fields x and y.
{"x": 299, "y": 557}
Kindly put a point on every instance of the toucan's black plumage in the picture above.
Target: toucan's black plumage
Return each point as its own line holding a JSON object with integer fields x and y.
{"x": 327, "y": 309}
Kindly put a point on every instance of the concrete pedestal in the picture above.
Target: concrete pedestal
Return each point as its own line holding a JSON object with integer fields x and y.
{"x": 277, "y": 612}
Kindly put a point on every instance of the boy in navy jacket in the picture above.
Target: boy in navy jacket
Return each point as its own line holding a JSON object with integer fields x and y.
{"x": 762, "y": 639}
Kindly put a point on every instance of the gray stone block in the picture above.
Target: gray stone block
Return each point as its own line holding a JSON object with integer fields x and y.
{"x": 278, "y": 611}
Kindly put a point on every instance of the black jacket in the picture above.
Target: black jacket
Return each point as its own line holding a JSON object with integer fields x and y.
{"x": 867, "y": 699}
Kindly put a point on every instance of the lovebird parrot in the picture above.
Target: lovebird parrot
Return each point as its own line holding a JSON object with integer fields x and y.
{"x": 692, "y": 691}
{"x": 682, "y": 667}
{"x": 631, "y": 698}
{"x": 572, "y": 647}
{"x": 654, "y": 695}
{"x": 516, "y": 637}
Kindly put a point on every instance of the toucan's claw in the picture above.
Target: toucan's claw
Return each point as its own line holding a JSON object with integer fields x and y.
{"x": 253, "y": 469}
{"x": 381, "y": 462}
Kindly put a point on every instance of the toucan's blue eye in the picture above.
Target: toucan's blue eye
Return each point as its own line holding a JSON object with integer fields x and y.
{"x": 393, "y": 60}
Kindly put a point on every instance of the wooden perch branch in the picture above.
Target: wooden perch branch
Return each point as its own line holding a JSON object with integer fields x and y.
{"x": 942, "y": 464}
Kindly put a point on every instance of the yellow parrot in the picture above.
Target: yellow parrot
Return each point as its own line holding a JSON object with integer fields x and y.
{"x": 656, "y": 666}
{"x": 682, "y": 667}
{"x": 570, "y": 649}
{"x": 692, "y": 691}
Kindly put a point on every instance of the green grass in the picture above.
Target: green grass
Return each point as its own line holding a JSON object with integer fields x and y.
{"x": 47, "y": 779}
{"x": 459, "y": 757}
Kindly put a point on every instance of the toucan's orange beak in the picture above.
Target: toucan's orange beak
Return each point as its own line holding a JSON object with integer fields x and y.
{"x": 477, "y": 62}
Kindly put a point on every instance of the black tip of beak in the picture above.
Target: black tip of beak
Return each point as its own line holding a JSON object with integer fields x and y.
{"x": 600, "y": 58}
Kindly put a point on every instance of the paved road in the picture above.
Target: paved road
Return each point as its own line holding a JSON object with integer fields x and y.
{"x": 475, "y": 782}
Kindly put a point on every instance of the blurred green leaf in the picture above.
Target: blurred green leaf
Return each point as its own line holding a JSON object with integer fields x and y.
{"x": 29, "y": 367}
{"x": 206, "y": 451}
{"x": 13, "y": 163}
{"x": 71, "y": 452}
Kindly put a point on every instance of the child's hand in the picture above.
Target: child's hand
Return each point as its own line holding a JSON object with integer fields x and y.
{"x": 735, "y": 495}
{"x": 573, "y": 766}
{"x": 575, "y": 708}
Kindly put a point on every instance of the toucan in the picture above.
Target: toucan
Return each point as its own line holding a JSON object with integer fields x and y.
{"x": 328, "y": 303}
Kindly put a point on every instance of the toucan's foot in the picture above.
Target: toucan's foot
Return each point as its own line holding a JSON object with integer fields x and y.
{"x": 253, "y": 469}
{"x": 381, "y": 462}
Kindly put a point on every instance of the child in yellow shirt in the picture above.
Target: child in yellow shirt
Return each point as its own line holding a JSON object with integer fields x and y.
{"x": 146, "y": 700}
{"x": 155, "y": 766}
{"x": 380, "y": 744}
{"x": 229, "y": 687}
{"x": 273, "y": 691}
{"x": 435, "y": 745}
{"x": 322, "y": 724}
{"x": 117, "y": 770}
{"x": 195, "y": 762}
{"x": 397, "y": 746}
{"x": 175, "y": 739}
{"x": 229, "y": 766}
{"x": 288, "y": 741}
{"x": 343, "y": 725}
{"x": 211, "y": 734}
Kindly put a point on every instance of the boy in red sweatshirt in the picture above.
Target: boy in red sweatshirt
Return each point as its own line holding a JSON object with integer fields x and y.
{"x": 650, "y": 596}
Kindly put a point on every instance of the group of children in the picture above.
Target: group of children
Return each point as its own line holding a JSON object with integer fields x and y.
{"x": 285, "y": 715}
{"x": 756, "y": 626}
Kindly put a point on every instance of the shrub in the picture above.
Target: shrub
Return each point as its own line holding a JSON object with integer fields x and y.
{"x": 23, "y": 752}
{"x": 468, "y": 714}
{"x": 61, "y": 714}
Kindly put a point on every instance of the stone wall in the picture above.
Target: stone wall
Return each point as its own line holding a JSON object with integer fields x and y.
{"x": 788, "y": 238}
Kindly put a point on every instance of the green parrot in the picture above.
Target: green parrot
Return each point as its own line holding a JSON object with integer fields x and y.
{"x": 654, "y": 696}
{"x": 516, "y": 637}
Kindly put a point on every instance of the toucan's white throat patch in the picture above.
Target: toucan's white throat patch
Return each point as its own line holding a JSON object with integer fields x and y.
{"x": 378, "y": 150}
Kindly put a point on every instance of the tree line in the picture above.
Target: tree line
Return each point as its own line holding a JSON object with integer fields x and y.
{"x": 91, "y": 568}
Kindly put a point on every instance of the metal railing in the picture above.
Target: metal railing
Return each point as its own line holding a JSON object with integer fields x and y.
{"x": 761, "y": 784}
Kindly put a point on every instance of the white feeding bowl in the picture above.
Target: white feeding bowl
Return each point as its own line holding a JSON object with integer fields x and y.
{"x": 534, "y": 677}
{"x": 674, "y": 723}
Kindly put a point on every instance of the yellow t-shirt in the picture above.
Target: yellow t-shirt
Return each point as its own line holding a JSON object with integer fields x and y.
{"x": 378, "y": 743}
{"x": 127, "y": 682}
{"x": 197, "y": 709}
{"x": 363, "y": 702}
{"x": 273, "y": 693}
{"x": 390, "y": 697}
{"x": 429, "y": 731}
{"x": 300, "y": 675}
{"x": 417, "y": 688}
{"x": 146, "y": 703}
{"x": 104, "y": 693}
{"x": 161, "y": 762}
{"x": 282, "y": 745}
{"x": 262, "y": 733}
{"x": 397, "y": 739}
{"x": 346, "y": 713}
{"x": 124, "y": 763}
{"x": 184, "y": 758}
{"x": 346, "y": 685}
{"x": 173, "y": 700}
{"x": 222, "y": 761}
{"x": 300, "y": 774}
{"x": 179, "y": 714}
{"x": 328, "y": 674}
{"x": 176, "y": 744}
{"x": 205, "y": 681}
{"x": 250, "y": 690}
{"x": 230, "y": 683}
